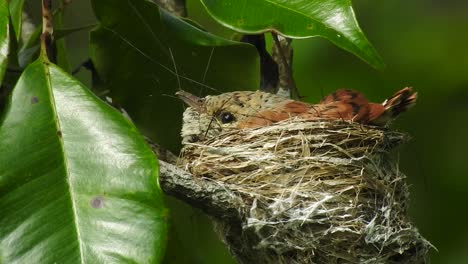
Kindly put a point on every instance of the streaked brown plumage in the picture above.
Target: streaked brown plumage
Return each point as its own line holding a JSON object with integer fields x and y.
{"x": 247, "y": 109}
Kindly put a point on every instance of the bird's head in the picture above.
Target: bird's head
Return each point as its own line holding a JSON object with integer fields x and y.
{"x": 214, "y": 114}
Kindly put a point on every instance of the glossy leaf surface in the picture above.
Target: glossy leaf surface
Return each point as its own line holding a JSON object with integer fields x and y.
{"x": 331, "y": 19}
{"x": 144, "y": 55}
{"x": 78, "y": 184}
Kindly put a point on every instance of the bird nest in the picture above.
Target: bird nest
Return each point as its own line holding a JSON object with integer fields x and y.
{"x": 315, "y": 192}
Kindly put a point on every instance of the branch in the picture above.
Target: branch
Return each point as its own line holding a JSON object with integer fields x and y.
{"x": 47, "y": 43}
{"x": 223, "y": 206}
{"x": 283, "y": 55}
{"x": 269, "y": 75}
{"x": 217, "y": 202}
{"x": 210, "y": 197}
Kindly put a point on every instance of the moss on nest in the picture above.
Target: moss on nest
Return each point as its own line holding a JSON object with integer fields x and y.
{"x": 315, "y": 192}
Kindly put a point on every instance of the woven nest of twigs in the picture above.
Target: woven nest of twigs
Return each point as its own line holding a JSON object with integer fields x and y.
{"x": 315, "y": 192}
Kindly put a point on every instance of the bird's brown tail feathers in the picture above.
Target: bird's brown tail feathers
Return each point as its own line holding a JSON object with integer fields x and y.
{"x": 398, "y": 103}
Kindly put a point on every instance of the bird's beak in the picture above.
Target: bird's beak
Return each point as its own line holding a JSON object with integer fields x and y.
{"x": 191, "y": 100}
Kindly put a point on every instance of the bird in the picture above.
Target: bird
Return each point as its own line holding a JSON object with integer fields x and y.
{"x": 254, "y": 109}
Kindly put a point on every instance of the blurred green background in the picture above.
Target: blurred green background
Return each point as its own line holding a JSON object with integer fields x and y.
{"x": 424, "y": 45}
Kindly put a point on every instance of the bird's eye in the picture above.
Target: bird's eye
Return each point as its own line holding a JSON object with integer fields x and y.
{"x": 227, "y": 117}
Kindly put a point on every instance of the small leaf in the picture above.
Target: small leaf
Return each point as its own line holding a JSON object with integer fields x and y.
{"x": 16, "y": 12}
{"x": 330, "y": 19}
{"x": 78, "y": 184}
{"x": 30, "y": 48}
{"x": 144, "y": 55}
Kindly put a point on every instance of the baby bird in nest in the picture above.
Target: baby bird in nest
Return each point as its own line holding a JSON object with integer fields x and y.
{"x": 214, "y": 114}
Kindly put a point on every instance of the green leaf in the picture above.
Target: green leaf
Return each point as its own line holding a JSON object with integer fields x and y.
{"x": 62, "y": 54}
{"x": 30, "y": 48}
{"x": 78, "y": 184}
{"x": 330, "y": 19}
{"x": 64, "y": 32}
{"x": 16, "y": 13}
{"x": 144, "y": 55}
{"x": 4, "y": 38}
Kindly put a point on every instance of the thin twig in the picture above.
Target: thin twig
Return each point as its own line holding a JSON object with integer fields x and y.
{"x": 288, "y": 78}
{"x": 47, "y": 43}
